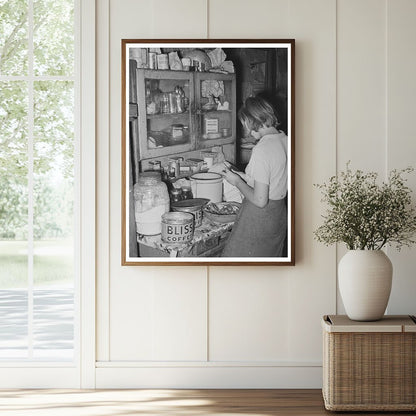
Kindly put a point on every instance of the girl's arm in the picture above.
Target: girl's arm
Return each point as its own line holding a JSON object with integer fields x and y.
{"x": 258, "y": 195}
{"x": 227, "y": 166}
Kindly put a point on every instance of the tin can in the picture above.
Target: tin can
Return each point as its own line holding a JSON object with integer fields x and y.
{"x": 177, "y": 227}
{"x": 152, "y": 60}
{"x": 177, "y": 131}
{"x": 196, "y": 164}
{"x": 225, "y": 132}
{"x": 207, "y": 185}
{"x": 209, "y": 158}
{"x": 192, "y": 206}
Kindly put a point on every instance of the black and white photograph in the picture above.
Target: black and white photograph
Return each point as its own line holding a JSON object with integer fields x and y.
{"x": 208, "y": 152}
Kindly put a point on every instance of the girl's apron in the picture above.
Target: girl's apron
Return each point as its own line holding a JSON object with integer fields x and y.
{"x": 258, "y": 232}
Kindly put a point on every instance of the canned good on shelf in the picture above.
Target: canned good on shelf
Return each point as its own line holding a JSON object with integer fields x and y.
{"x": 162, "y": 61}
{"x": 193, "y": 206}
{"x": 177, "y": 131}
{"x": 177, "y": 227}
{"x": 195, "y": 164}
{"x": 209, "y": 158}
{"x": 225, "y": 132}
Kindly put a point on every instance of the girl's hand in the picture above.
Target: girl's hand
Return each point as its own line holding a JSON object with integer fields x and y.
{"x": 231, "y": 177}
{"x": 233, "y": 169}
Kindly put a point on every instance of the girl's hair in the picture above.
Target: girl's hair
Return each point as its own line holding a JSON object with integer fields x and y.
{"x": 257, "y": 112}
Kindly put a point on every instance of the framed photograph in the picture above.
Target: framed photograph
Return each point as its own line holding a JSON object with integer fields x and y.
{"x": 208, "y": 152}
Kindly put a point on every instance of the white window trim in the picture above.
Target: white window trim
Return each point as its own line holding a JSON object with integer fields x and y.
{"x": 87, "y": 182}
{"x": 81, "y": 372}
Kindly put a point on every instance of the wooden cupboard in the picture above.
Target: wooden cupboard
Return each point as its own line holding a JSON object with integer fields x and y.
{"x": 180, "y": 113}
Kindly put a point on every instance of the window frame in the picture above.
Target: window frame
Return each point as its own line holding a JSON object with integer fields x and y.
{"x": 81, "y": 371}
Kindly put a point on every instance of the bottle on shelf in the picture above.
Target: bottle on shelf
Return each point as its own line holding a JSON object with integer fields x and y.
{"x": 187, "y": 192}
{"x": 175, "y": 195}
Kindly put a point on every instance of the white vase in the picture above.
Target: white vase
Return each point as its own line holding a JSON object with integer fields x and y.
{"x": 364, "y": 278}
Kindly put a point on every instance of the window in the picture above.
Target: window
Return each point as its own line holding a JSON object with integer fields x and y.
{"x": 38, "y": 185}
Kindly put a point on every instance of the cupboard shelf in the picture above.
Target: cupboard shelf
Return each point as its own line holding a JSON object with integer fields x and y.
{"x": 150, "y": 84}
{"x": 167, "y": 115}
{"x": 216, "y": 111}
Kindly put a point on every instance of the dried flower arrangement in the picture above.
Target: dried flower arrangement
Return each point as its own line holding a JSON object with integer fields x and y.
{"x": 366, "y": 215}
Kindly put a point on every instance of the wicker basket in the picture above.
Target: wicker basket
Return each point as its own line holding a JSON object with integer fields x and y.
{"x": 369, "y": 366}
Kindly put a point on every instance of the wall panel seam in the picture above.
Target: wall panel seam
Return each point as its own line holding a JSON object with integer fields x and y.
{"x": 207, "y": 20}
{"x": 386, "y": 97}
{"x": 336, "y": 142}
{"x": 207, "y": 314}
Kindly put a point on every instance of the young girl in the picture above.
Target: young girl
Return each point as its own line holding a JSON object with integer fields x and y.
{"x": 261, "y": 225}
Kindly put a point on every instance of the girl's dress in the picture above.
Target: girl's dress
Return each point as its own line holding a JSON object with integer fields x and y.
{"x": 262, "y": 232}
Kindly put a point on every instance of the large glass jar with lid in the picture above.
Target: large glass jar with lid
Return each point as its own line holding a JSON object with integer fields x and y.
{"x": 151, "y": 201}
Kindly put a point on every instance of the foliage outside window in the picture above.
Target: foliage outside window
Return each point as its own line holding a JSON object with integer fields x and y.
{"x": 21, "y": 67}
{"x": 37, "y": 181}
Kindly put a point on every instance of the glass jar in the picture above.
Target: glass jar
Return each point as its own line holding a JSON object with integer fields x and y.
{"x": 177, "y": 132}
{"x": 175, "y": 195}
{"x": 153, "y": 96}
{"x": 164, "y": 103}
{"x": 172, "y": 102}
{"x": 156, "y": 165}
{"x": 151, "y": 201}
{"x": 187, "y": 192}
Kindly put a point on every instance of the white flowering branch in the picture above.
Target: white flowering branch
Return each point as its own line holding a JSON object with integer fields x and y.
{"x": 365, "y": 215}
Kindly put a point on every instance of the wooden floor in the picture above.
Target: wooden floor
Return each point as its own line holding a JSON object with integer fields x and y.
{"x": 165, "y": 402}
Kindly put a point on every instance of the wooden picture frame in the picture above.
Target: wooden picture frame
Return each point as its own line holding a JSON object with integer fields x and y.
{"x": 180, "y": 103}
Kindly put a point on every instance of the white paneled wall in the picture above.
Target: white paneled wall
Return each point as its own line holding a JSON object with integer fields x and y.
{"x": 361, "y": 84}
{"x": 162, "y": 316}
{"x": 254, "y": 326}
{"x": 248, "y": 315}
{"x": 243, "y": 19}
{"x": 401, "y": 130}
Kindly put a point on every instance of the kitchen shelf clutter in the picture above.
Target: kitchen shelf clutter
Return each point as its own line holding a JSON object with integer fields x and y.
{"x": 182, "y": 121}
{"x": 178, "y": 113}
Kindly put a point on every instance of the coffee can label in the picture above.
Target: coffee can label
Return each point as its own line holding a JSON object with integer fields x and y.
{"x": 177, "y": 233}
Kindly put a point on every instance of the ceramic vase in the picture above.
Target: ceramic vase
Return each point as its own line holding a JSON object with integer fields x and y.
{"x": 364, "y": 278}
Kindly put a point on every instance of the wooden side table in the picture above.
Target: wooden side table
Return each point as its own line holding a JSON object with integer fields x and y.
{"x": 369, "y": 366}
